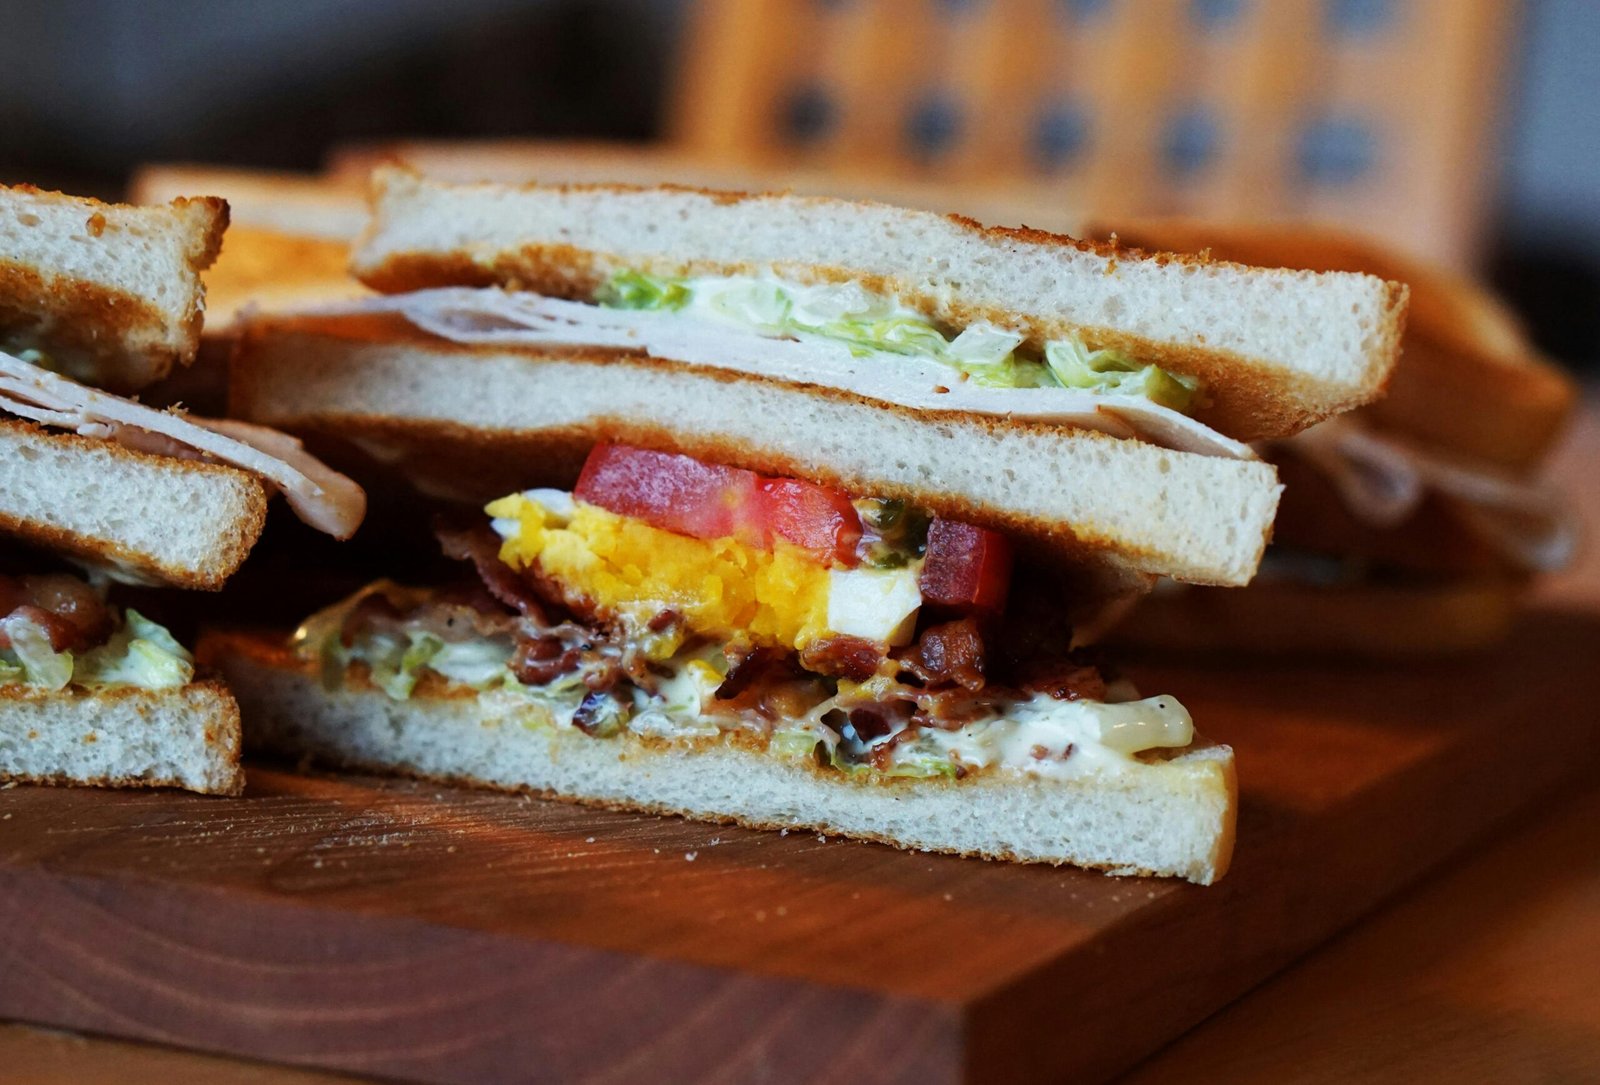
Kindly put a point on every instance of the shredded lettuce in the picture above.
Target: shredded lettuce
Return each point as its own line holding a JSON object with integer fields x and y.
{"x": 848, "y": 314}
{"x": 636, "y": 290}
{"x": 30, "y": 656}
{"x": 141, "y": 653}
{"x": 1112, "y": 372}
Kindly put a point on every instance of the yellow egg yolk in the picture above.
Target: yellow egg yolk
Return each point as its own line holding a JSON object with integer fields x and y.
{"x": 775, "y": 597}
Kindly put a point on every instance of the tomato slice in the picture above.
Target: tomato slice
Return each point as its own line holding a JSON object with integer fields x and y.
{"x": 812, "y": 517}
{"x": 676, "y": 493}
{"x": 710, "y": 501}
{"x": 967, "y": 568}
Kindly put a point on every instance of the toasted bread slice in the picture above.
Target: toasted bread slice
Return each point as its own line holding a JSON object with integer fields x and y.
{"x": 1277, "y": 350}
{"x": 112, "y": 293}
{"x": 123, "y": 737}
{"x": 1177, "y": 822}
{"x": 275, "y": 271}
{"x": 507, "y": 418}
{"x": 155, "y": 518}
{"x": 1469, "y": 380}
{"x": 296, "y": 204}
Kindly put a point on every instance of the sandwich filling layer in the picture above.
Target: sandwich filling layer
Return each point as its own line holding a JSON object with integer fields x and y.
{"x": 832, "y": 336}
{"x": 861, "y": 320}
{"x": 58, "y": 631}
{"x": 685, "y": 602}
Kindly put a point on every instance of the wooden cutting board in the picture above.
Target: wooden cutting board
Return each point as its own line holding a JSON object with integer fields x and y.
{"x": 439, "y": 935}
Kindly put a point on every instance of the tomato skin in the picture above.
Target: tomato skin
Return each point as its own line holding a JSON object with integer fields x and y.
{"x": 967, "y": 568}
{"x": 710, "y": 501}
{"x": 812, "y": 517}
{"x": 676, "y": 493}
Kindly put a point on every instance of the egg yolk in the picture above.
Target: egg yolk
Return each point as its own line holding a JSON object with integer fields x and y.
{"x": 776, "y": 597}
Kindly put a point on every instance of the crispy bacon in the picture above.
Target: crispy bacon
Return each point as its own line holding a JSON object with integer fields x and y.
{"x": 479, "y": 545}
{"x": 841, "y": 656}
{"x": 70, "y": 612}
{"x": 538, "y": 661}
{"x": 951, "y": 652}
{"x": 748, "y": 665}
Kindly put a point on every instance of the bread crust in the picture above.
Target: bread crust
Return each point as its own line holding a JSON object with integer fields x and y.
{"x": 126, "y": 340}
{"x": 1469, "y": 381}
{"x": 500, "y": 461}
{"x": 1241, "y": 401}
{"x": 234, "y": 540}
{"x": 222, "y": 734}
{"x": 241, "y": 653}
{"x": 1247, "y": 398}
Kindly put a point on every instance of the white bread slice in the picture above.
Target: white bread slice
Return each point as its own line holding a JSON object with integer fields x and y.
{"x": 1178, "y": 821}
{"x": 111, "y": 292}
{"x": 126, "y": 737}
{"x": 157, "y": 518}
{"x": 1278, "y": 350}
{"x": 504, "y": 419}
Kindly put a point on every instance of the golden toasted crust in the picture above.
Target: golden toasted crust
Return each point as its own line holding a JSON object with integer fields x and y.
{"x": 1469, "y": 380}
{"x": 1244, "y": 399}
{"x": 125, "y": 340}
{"x": 1240, "y": 401}
{"x": 236, "y": 540}
{"x": 267, "y": 652}
{"x": 264, "y": 266}
{"x": 222, "y": 734}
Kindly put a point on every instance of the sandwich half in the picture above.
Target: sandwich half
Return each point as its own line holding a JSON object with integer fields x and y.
{"x": 1089, "y": 401}
{"x": 92, "y": 692}
{"x": 153, "y": 496}
{"x": 795, "y": 513}
{"x": 1414, "y": 524}
{"x": 682, "y": 636}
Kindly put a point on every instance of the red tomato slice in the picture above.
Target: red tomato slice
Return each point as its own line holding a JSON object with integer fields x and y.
{"x": 709, "y": 501}
{"x": 812, "y": 517}
{"x": 966, "y": 567}
{"x": 675, "y": 493}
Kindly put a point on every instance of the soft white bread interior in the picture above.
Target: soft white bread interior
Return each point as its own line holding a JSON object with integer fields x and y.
{"x": 155, "y": 518}
{"x": 1278, "y": 350}
{"x": 126, "y": 737}
{"x": 1089, "y": 497}
{"x": 111, "y": 292}
{"x": 1178, "y": 820}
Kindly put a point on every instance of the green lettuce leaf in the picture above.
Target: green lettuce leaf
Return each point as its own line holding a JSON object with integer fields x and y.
{"x": 1113, "y": 373}
{"x": 142, "y": 653}
{"x": 31, "y": 655}
{"x": 636, "y": 290}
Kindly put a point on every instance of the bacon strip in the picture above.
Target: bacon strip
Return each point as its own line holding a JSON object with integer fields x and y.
{"x": 320, "y": 496}
{"x": 481, "y": 546}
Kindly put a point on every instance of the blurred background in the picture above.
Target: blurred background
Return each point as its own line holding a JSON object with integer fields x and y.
{"x": 1464, "y": 131}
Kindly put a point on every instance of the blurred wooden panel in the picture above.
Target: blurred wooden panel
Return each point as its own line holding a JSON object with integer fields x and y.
{"x": 1378, "y": 114}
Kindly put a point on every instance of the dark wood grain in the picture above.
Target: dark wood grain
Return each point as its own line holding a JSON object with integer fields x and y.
{"x": 449, "y": 936}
